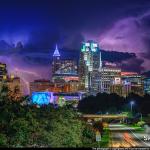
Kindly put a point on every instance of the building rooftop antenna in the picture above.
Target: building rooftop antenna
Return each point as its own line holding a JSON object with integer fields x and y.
{"x": 56, "y": 52}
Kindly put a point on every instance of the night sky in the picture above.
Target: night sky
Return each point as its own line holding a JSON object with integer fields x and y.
{"x": 29, "y": 30}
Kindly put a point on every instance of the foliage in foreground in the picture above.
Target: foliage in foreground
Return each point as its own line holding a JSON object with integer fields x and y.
{"x": 28, "y": 126}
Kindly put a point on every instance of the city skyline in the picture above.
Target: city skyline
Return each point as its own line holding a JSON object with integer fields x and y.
{"x": 75, "y": 74}
{"x": 29, "y": 37}
{"x": 67, "y": 62}
{"x": 90, "y": 74}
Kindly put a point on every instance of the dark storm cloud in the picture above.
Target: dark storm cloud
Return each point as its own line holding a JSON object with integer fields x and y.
{"x": 146, "y": 54}
{"x": 40, "y": 24}
{"x": 129, "y": 34}
{"x": 133, "y": 64}
{"x": 145, "y": 20}
{"x": 73, "y": 41}
{"x": 42, "y": 39}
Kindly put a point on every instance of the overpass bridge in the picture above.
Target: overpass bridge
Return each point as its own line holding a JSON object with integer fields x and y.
{"x": 91, "y": 116}
{"x": 104, "y": 117}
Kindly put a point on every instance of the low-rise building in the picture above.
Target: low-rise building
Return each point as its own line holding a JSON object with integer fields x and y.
{"x": 59, "y": 86}
{"x": 147, "y": 85}
{"x": 132, "y": 83}
{"x": 40, "y": 85}
{"x": 107, "y": 76}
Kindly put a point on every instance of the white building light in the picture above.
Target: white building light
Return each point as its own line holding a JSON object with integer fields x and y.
{"x": 87, "y": 44}
{"x": 95, "y": 45}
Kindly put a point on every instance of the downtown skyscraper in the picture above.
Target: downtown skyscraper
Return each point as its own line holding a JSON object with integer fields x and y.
{"x": 89, "y": 66}
{"x": 63, "y": 69}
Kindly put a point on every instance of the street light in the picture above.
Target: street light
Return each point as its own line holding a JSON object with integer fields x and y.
{"x": 141, "y": 116}
{"x": 132, "y": 103}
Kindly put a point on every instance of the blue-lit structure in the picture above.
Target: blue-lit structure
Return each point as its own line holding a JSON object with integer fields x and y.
{"x": 45, "y": 98}
{"x": 41, "y": 98}
{"x": 56, "y": 52}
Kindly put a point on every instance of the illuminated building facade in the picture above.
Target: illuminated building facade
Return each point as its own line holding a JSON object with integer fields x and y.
{"x": 116, "y": 89}
{"x": 63, "y": 66}
{"x": 89, "y": 65}
{"x": 60, "y": 86}
{"x": 40, "y": 85}
{"x": 56, "y": 63}
{"x": 69, "y": 87}
{"x": 3, "y": 72}
{"x": 109, "y": 76}
{"x": 147, "y": 85}
{"x": 67, "y": 66}
{"x": 13, "y": 83}
{"x": 116, "y": 86}
{"x": 129, "y": 82}
{"x": 81, "y": 72}
{"x": 126, "y": 88}
{"x": 14, "y": 86}
{"x": 41, "y": 98}
{"x": 64, "y": 74}
{"x": 132, "y": 83}
{"x": 60, "y": 99}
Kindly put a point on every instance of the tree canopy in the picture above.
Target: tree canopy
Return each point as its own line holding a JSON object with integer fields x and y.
{"x": 28, "y": 126}
{"x": 113, "y": 103}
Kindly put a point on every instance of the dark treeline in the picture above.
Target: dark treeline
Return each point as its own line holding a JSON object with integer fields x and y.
{"x": 113, "y": 103}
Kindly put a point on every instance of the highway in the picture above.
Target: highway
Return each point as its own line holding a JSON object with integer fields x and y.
{"x": 124, "y": 137}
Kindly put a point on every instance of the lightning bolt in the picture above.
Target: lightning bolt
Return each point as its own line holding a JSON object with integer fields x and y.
{"x": 24, "y": 82}
{"x": 25, "y": 71}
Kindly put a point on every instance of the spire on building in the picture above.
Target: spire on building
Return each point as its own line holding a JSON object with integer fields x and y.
{"x": 56, "y": 52}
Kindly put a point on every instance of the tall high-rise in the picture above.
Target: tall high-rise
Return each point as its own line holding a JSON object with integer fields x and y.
{"x": 63, "y": 69}
{"x": 56, "y": 61}
{"x": 64, "y": 73}
{"x": 89, "y": 66}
